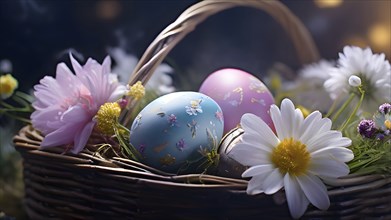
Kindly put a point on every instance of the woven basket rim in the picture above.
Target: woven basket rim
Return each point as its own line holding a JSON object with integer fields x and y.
{"x": 374, "y": 190}
{"x": 26, "y": 143}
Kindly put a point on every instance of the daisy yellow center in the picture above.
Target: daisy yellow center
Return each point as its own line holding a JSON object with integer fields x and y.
{"x": 291, "y": 156}
{"x": 107, "y": 117}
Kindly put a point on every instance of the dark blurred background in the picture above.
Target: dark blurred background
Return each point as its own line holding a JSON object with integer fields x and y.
{"x": 37, "y": 34}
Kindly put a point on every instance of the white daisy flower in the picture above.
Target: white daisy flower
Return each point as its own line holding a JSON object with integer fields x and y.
{"x": 317, "y": 72}
{"x": 304, "y": 151}
{"x": 311, "y": 79}
{"x": 373, "y": 70}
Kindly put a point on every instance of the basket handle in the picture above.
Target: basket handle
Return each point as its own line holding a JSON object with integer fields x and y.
{"x": 190, "y": 18}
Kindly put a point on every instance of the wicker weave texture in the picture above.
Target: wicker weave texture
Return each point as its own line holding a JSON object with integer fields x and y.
{"x": 84, "y": 186}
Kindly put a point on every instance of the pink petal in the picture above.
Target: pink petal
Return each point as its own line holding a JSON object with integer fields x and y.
{"x": 76, "y": 66}
{"x": 117, "y": 93}
{"x": 106, "y": 65}
{"x": 61, "y": 136}
{"x": 81, "y": 138}
{"x": 76, "y": 114}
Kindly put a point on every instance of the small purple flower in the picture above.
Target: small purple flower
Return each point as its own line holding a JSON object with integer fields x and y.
{"x": 122, "y": 103}
{"x": 366, "y": 128}
{"x": 181, "y": 144}
{"x": 172, "y": 120}
{"x": 380, "y": 137}
{"x": 385, "y": 108}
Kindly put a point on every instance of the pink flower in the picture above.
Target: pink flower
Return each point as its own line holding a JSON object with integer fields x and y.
{"x": 66, "y": 105}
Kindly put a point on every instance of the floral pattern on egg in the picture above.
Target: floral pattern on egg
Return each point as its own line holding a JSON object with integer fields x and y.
{"x": 238, "y": 92}
{"x": 171, "y": 130}
{"x": 194, "y": 108}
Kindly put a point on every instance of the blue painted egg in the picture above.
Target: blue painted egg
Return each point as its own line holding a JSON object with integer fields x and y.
{"x": 175, "y": 132}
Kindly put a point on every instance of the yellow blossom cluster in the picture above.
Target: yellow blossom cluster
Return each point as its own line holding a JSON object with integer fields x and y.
{"x": 137, "y": 91}
{"x": 8, "y": 84}
{"x": 107, "y": 117}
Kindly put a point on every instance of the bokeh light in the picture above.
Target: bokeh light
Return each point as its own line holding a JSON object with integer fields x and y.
{"x": 328, "y": 3}
{"x": 379, "y": 36}
{"x": 108, "y": 10}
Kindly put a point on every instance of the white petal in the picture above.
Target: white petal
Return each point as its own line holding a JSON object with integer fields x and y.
{"x": 278, "y": 122}
{"x": 341, "y": 142}
{"x": 310, "y": 126}
{"x": 337, "y": 153}
{"x": 253, "y": 124}
{"x": 288, "y": 116}
{"x": 273, "y": 182}
{"x": 248, "y": 155}
{"x": 250, "y": 122}
{"x": 315, "y": 191}
{"x": 297, "y": 123}
{"x": 255, "y": 185}
{"x": 257, "y": 170}
{"x": 336, "y": 143}
{"x": 297, "y": 201}
{"x": 257, "y": 142}
{"x": 321, "y": 140}
{"x": 326, "y": 125}
{"x": 328, "y": 168}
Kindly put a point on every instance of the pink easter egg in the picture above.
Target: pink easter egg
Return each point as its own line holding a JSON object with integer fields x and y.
{"x": 238, "y": 92}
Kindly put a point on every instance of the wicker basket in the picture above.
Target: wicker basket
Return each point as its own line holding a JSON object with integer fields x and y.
{"x": 86, "y": 186}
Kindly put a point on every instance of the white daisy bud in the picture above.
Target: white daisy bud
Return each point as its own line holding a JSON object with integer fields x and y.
{"x": 354, "y": 81}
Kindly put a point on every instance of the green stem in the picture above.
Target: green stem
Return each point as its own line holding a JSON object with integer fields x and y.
{"x": 18, "y": 118}
{"x": 347, "y": 102}
{"x": 332, "y": 108}
{"x": 355, "y": 109}
{"x": 15, "y": 110}
{"x": 6, "y": 105}
{"x": 125, "y": 144}
{"x": 25, "y": 96}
